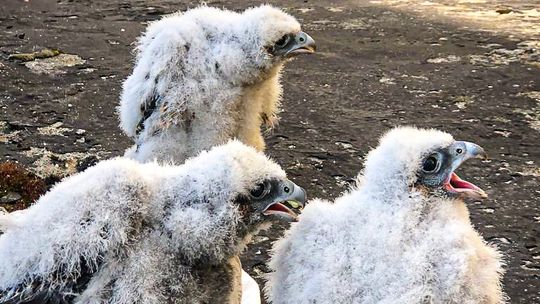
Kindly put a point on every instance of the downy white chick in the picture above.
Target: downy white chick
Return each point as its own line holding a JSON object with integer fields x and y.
{"x": 126, "y": 232}
{"x": 205, "y": 76}
{"x": 403, "y": 235}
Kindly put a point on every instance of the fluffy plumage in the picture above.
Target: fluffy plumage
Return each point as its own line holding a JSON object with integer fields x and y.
{"x": 205, "y": 76}
{"x": 396, "y": 238}
{"x": 125, "y": 232}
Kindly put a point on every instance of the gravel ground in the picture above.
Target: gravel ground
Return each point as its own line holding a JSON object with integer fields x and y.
{"x": 380, "y": 64}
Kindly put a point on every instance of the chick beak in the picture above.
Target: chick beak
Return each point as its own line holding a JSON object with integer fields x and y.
{"x": 303, "y": 44}
{"x": 474, "y": 151}
{"x": 293, "y": 197}
{"x": 462, "y": 188}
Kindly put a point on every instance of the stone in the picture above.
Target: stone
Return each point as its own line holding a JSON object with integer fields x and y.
{"x": 54, "y": 65}
{"x": 10, "y": 198}
{"x": 504, "y": 11}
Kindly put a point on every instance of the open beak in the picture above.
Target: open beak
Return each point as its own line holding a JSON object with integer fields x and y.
{"x": 292, "y": 197}
{"x": 303, "y": 44}
{"x": 457, "y": 186}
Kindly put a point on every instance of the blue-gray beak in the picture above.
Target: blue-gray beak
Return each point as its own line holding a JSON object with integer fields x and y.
{"x": 460, "y": 152}
{"x": 291, "y": 196}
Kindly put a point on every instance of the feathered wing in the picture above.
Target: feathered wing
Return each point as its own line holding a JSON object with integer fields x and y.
{"x": 188, "y": 89}
{"x": 51, "y": 250}
{"x": 178, "y": 101}
{"x": 42, "y": 290}
{"x": 161, "y": 55}
{"x": 182, "y": 69}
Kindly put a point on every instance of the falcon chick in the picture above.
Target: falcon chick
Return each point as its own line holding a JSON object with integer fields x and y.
{"x": 126, "y": 232}
{"x": 205, "y": 76}
{"x": 403, "y": 235}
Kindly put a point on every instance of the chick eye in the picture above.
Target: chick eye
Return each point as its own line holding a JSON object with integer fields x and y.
{"x": 430, "y": 164}
{"x": 259, "y": 191}
{"x": 282, "y": 42}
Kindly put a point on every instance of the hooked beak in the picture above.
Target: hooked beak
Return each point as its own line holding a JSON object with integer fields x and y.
{"x": 473, "y": 150}
{"x": 303, "y": 44}
{"x": 454, "y": 184}
{"x": 291, "y": 196}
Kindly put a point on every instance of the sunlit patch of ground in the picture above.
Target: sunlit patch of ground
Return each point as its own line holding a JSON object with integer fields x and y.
{"x": 527, "y": 51}
{"x": 515, "y": 18}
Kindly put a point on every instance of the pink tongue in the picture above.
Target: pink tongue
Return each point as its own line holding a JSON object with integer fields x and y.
{"x": 278, "y": 207}
{"x": 465, "y": 188}
{"x": 458, "y": 183}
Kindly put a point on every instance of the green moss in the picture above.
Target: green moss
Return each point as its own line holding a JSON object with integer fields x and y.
{"x": 45, "y": 53}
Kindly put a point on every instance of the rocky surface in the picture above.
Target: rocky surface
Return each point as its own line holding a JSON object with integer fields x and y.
{"x": 380, "y": 64}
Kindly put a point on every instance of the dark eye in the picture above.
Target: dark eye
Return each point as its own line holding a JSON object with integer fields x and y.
{"x": 459, "y": 151}
{"x": 282, "y": 42}
{"x": 258, "y": 192}
{"x": 430, "y": 164}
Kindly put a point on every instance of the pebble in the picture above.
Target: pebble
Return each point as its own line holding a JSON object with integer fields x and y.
{"x": 448, "y": 59}
{"x": 502, "y": 240}
{"x": 10, "y": 198}
{"x": 304, "y": 10}
{"x": 260, "y": 239}
{"x": 344, "y": 145}
{"x": 504, "y": 11}
{"x": 387, "y": 80}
